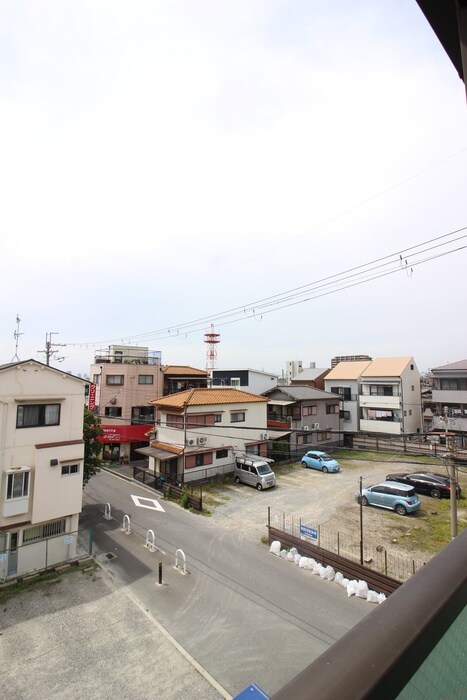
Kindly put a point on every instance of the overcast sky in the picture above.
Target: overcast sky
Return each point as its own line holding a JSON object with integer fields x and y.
{"x": 164, "y": 161}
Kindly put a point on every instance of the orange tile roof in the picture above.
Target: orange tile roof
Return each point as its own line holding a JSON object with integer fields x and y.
{"x": 387, "y": 366}
{"x": 348, "y": 370}
{"x": 184, "y": 370}
{"x": 167, "y": 447}
{"x": 208, "y": 397}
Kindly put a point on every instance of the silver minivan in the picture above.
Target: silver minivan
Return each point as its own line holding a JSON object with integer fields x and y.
{"x": 254, "y": 472}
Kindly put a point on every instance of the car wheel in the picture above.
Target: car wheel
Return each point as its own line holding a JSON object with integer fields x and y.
{"x": 325, "y": 470}
{"x": 304, "y": 464}
{"x": 400, "y": 509}
{"x": 364, "y": 501}
{"x": 435, "y": 493}
{"x": 237, "y": 479}
{"x": 259, "y": 487}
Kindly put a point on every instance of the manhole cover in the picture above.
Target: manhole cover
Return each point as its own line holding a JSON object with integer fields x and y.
{"x": 110, "y": 555}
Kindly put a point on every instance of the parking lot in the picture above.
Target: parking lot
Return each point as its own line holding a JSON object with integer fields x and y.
{"x": 319, "y": 498}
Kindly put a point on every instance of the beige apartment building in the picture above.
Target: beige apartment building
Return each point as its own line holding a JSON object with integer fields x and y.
{"x": 41, "y": 465}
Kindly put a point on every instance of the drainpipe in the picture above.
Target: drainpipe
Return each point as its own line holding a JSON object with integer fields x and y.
{"x": 2, "y": 441}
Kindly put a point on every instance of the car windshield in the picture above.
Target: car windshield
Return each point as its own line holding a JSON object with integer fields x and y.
{"x": 326, "y": 458}
{"x": 263, "y": 469}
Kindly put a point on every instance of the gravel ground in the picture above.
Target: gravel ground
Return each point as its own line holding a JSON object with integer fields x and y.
{"x": 74, "y": 638}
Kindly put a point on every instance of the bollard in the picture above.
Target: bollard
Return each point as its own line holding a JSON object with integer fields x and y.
{"x": 182, "y": 554}
{"x": 126, "y": 525}
{"x": 160, "y": 573}
{"x": 107, "y": 512}
{"x": 150, "y": 541}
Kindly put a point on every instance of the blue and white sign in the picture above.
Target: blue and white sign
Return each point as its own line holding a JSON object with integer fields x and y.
{"x": 68, "y": 539}
{"x": 310, "y": 532}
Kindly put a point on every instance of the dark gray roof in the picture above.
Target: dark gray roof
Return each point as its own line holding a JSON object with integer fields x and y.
{"x": 454, "y": 366}
{"x": 299, "y": 393}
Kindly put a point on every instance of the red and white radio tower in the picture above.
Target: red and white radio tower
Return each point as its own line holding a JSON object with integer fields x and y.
{"x": 211, "y": 339}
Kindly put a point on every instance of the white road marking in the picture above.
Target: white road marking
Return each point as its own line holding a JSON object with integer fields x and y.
{"x": 149, "y": 503}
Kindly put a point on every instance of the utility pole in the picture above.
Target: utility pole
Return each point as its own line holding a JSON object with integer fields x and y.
{"x": 452, "y": 476}
{"x": 48, "y": 348}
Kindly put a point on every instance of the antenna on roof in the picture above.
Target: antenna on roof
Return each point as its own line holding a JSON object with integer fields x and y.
{"x": 16, "y": 336}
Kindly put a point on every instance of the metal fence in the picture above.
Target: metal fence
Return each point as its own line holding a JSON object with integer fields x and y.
{"x": 46, "y": 554}
{"x": 346, "y": 543}
{"x": 413, "y": 445}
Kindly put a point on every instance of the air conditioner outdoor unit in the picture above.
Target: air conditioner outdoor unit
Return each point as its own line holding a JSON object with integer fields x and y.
{"x": 305, "y": 427}
{"x": 190, "y": 442}
{"x": 201, "y": 441}
{"x": 315, "y": 426}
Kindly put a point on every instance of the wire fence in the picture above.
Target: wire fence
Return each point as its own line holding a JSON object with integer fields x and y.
{"x": 346, "y": 543}
{"x": 46, "y": 554}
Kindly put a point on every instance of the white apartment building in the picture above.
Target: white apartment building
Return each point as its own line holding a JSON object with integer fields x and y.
{"x": 41, "y": 465}
{"x": 378, "y": 396}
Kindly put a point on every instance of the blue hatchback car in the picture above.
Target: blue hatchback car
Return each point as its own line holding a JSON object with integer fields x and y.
{"x": 320, "y": 460}
{"x": 391, "y": 495}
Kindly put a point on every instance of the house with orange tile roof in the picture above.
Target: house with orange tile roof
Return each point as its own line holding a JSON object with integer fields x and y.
{"x": 200, "y": 431}
{"x": 380, "y": 396}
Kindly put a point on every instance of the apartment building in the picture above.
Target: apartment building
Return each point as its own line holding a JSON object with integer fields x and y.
{"x": 378, "y": 396}
{"x": 41, "y": 465}
{"x": 449, "y": 400}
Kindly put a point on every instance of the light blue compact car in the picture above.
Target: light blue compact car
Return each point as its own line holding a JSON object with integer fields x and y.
{"x": 320, "y": 460}
{"x": 391, "y": 495}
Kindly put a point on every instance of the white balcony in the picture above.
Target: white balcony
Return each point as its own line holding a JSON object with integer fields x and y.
{"x": 380, "y": 426}
{"x": 368, "y": 401}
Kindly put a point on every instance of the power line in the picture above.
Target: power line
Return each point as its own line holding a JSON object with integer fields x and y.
{"x": 404, "y": 260}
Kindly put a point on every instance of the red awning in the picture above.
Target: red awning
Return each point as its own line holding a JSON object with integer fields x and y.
{"x": 125, "y": 433}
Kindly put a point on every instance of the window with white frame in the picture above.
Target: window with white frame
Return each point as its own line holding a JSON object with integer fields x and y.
{"x": 235, "y": 381}
{"x": 68, "y": 469}
{"x": 17, "y": 485}
{"x": 237, "y": 417}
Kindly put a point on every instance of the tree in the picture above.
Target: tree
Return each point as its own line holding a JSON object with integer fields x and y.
{"x": 92, "y": 448}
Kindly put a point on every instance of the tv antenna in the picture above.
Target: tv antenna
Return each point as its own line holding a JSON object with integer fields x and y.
{"x": 16, "y": 336}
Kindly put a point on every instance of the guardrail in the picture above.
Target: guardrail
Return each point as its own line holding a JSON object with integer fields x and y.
{"x": 386, "y": 652}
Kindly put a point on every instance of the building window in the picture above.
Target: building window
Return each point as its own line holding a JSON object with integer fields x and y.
{"x": 17, "y": 485}
{"x": 174, "y": 421}
{"x": 235, "y": 381}
{"x": 198, "y": 460}
{"x": 222, "y": 454}
{"x": 115, "y": 379}
{"x": 332, "y": 408}
{"x": 68, "y": 469}
{"x": 238, "y": 417}
{"x": 194, "y": 420}
{"x": 38, "y": 415}
{"x": 218, "y": 418}
{"x": 42, "y": 532}
{"x": 142, "y": 414}
{"x": 310, "y": 410}
{"x": 345, "y": 415}
{"x": 113, "y": 411}
{"x": 323, "y": 436}
{"x": 381, "y": 390}
{"x": 145, "y": 379}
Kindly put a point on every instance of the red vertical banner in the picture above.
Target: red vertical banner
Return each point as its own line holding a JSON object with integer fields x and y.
{"x": 92, "y": 397}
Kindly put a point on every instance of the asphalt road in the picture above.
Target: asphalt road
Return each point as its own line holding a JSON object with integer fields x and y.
{"x": 243, "y": 614}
